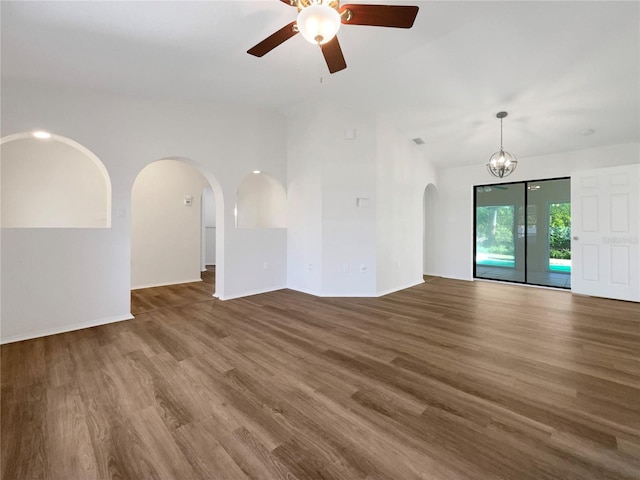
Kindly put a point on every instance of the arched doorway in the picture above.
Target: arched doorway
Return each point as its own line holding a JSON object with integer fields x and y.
{"x": 167, "y": 223}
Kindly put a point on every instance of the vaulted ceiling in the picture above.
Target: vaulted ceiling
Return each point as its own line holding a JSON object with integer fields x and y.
{"x": 559, "y": 68}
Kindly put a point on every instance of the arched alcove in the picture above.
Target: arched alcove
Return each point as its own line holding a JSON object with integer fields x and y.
{"x": 167, "y": 223}
{"x": 52, "y": 181}
{"x": 430, "y": 208}
{"x": 261, "y": 202}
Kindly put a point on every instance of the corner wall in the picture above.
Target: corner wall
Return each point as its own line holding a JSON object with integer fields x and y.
{"x": 331, "y": 241}
{"x": 403, "y": 173}
{"x": 356, "y": 210}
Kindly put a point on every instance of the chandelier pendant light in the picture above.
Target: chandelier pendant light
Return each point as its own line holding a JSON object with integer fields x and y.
{"x": 502, "y": 164}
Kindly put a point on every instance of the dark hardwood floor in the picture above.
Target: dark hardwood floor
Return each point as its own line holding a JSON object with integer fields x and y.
{"x": 146, "y": 300}
{"x": 446, "y": 380}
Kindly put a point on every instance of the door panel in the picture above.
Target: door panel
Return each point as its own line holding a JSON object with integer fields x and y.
{"x": 606, "y": 218}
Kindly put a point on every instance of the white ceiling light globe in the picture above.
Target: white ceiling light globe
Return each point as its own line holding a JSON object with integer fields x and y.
{"x": 318, "y": 24}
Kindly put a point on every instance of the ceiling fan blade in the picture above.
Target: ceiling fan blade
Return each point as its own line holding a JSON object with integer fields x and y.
{"x": 271, "y": 42}
{"x": 333, "y": 55}
{"x": 288, "y": 2}
{"x": 399, "y": 16}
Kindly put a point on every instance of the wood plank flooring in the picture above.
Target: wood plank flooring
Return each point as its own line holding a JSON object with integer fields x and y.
{"x": 446, "y": 380}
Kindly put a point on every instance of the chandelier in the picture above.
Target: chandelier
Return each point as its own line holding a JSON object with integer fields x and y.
{"x": 502, "y": 164}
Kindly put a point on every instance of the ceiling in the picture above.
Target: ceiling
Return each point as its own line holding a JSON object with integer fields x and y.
{"x": 558, "y": 68}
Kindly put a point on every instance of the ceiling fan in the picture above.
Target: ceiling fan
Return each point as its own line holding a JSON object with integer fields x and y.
{"x": 319, "y": 20}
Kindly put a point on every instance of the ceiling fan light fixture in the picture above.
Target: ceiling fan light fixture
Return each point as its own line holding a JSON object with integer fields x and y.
{"x": 318, "y": 23}
{"x": 502, "y": 164}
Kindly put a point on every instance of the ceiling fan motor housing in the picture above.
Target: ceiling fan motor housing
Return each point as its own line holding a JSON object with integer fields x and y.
{"x": 302, "y": 4}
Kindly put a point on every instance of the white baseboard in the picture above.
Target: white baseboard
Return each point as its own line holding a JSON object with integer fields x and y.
{"x": 356, "y": 294}
{"x": 333, "y": 294}
{"x": 397, "y": 289}
{"x": 249, "y": 293}
{"x": 166, "y": 284}
{"x": 466, "y": 279}
{"x": 65, "y": 328}
{"x": 347, "y": 295}
{"x": 305, "y": 291}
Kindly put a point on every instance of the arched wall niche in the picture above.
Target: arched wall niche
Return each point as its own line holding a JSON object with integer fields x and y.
{"x": 430, "y": 205}
{"x": 52, "y": 183}
{"x": 261, "y": 202}
{"x": 164, "y": 229}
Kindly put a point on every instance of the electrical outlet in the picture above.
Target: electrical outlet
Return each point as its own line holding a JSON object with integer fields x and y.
{"x": 345, "y": 268}
{"x": 310, "y": 267}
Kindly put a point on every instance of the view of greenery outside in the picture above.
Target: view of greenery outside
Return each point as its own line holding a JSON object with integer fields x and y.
{"x": 494, "y": 230}
{"x": 560, "y": 231}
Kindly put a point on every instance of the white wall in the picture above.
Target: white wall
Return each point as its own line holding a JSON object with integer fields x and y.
{"x": 455, "y": 202}
{"x": 261, "y": 202}
{"x": 49, "y": 183}
{"x": 83, "y": 277}
{"x": 327, "y": 232}
{"x": 348, "y": 231}
{"x": 304, "y": 202}
{"x": 166, "y": 234}
{"x": 64, "y": 275}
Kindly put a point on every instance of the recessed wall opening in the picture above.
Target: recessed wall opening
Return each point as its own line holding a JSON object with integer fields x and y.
{"x": 523, "y": 232}
{"x": 261, "y": 202}
{"x": 52, "y": 182}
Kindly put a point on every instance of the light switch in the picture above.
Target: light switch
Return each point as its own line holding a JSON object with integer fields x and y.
{"x": 188, "y": 200}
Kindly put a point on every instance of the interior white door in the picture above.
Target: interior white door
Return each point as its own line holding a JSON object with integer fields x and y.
{"x": 605, "y": 217}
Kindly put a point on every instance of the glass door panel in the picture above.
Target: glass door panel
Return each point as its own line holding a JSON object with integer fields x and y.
{"x": 499, "y": 252}
{"x": 549, "y": 246}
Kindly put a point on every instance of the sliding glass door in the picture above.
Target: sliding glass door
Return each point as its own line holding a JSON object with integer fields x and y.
{"x": 523, "y": 232}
